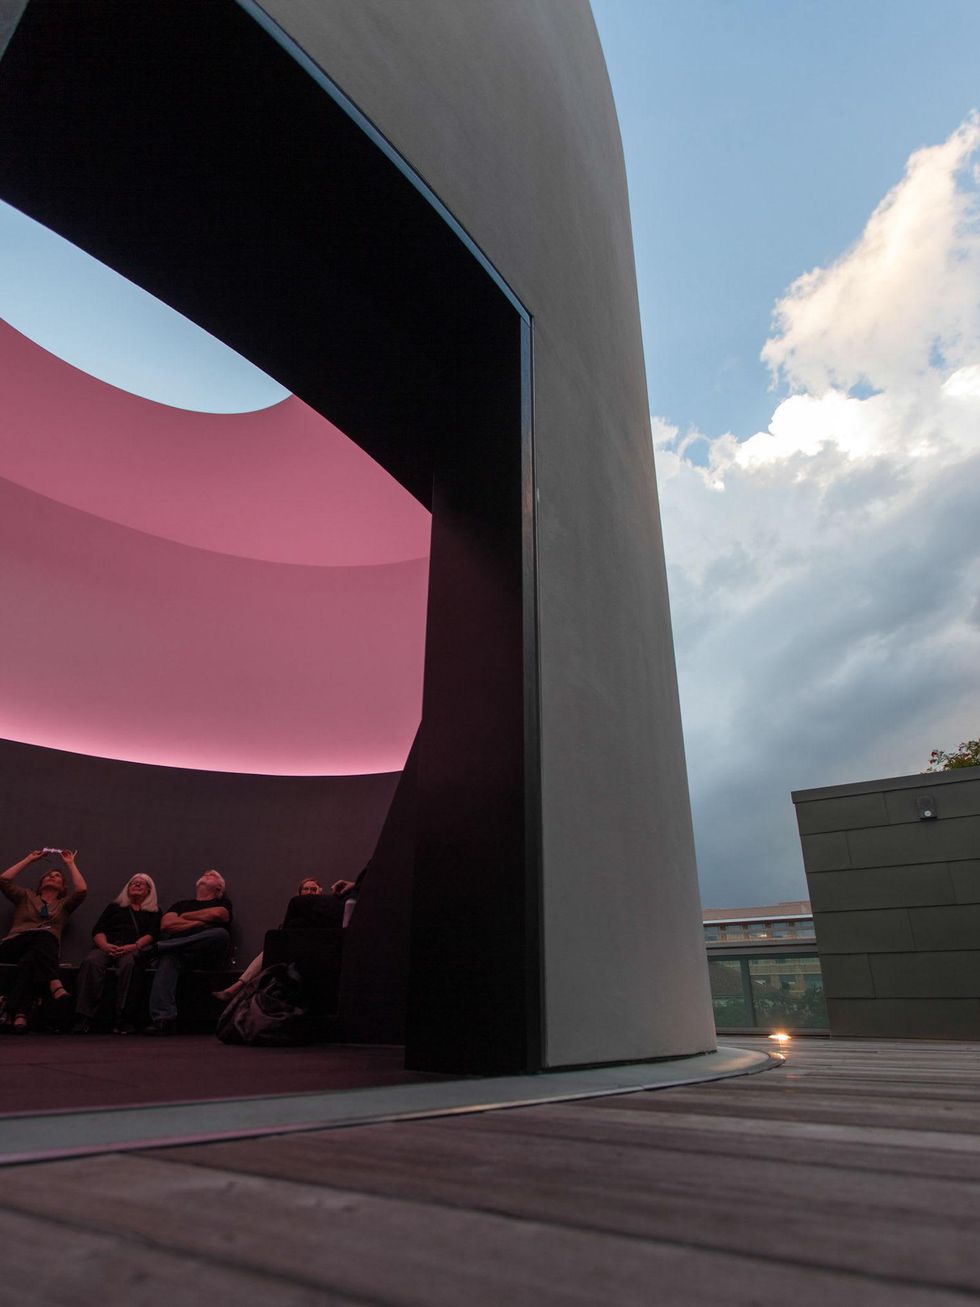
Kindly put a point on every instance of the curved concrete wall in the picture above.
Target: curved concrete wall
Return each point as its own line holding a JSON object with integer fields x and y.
{"x": 505, "y": 110}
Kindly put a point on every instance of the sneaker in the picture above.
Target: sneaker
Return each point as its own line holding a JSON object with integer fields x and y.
{"x": 161, "y": 1028}
{"x": 81, "y": 1026}
{"x": 123, "y": 1028}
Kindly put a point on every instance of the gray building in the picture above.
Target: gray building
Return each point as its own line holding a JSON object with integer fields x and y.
{"x": 893, "y": 870}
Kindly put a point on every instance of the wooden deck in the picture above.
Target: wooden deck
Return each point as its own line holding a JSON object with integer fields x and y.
{"x": 851, "y": 1175}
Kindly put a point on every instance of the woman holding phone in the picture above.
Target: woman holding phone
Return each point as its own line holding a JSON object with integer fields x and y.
{"x": 33, "y": 941}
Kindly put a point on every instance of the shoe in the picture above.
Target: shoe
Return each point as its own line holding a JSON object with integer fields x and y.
{"x": 223, "y": 995}
{"x": 60, "y": 995}
{"x": 124, "y": 1028}
{"x": 161, "y": 1028}
{"x": 81, "y": 1026}
{"x": 20, "y": 1026}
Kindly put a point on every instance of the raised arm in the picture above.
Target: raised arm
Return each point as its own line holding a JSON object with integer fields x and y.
{"x": 18, "y": 867}
{"x": 7, "y": 887}
{"x": 78, "y": 885}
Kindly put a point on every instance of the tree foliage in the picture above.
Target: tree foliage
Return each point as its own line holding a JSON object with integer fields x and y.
{"x": 967, "y": 755}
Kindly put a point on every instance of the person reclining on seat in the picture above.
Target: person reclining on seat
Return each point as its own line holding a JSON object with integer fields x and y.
{"x": 193, "y": 933}
{"x": 298, "y": 916}
{"x": 128, "y": 925}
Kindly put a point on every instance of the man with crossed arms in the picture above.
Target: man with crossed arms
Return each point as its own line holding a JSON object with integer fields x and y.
{"x": 193, "y": 933}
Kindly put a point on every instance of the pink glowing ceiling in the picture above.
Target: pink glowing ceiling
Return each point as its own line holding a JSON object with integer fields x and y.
{"x": 240, "y": 592}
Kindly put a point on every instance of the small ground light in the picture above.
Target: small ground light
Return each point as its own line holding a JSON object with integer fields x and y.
{"x": 781, "y": 1037}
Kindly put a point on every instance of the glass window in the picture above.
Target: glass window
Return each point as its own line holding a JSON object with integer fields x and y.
{"x": 788, "y": 991}
{"x": 728, "y": 993}
{"x": 712, "y": 932}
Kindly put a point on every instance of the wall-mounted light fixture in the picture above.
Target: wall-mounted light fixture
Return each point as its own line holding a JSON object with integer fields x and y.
{"x": 926, "y": 805}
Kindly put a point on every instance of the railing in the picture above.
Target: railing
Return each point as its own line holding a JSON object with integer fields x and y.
{"x": 765, "y": 990}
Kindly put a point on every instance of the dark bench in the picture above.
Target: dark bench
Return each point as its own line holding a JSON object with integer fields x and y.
{"x": 195, "y": 995}
{"x": 315, "y": 952}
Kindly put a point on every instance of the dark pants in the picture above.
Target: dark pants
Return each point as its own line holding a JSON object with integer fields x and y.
{"x": 91, "y": 983}
{"x": 36, "y": 953}
{"x": 207, "y": 948}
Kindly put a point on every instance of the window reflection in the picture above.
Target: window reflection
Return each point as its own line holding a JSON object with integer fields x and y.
{"x": 761, "y": 992}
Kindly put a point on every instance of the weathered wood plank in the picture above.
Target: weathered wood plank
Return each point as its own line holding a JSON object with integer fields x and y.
{"x": 47, "y": 1264}
{"x": 810, "y": 1106}
{"x": 850, "y": 1148}
{"x": 922, "y": 1231}
{"x": 865, "y": 1087}
{"x": 386, "y": 1251}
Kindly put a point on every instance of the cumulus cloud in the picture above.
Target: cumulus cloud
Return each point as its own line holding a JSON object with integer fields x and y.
{"x": 825, "y": 573}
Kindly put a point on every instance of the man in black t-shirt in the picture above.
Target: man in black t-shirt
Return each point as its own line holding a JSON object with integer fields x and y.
{"x": 193, "y": 933}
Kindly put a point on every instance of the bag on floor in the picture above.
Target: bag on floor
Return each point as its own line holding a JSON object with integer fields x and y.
{"x": 269, "y": 1010}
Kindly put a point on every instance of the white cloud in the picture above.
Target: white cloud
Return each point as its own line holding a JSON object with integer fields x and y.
{"x": 904, "y": 298}
{"x": 825, "y": 573}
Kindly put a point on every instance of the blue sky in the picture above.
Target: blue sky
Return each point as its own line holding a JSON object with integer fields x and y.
{"x": 87, "y": 314}
{"x": 805, "y": 181}
{"x": 759, "y": 135}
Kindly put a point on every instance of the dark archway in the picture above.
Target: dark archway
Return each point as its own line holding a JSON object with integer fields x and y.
{"x": 188, "y": 150}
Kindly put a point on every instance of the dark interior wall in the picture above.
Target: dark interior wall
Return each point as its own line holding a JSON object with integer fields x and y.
{"x": 896, "y": 903}
{"x": 471, "y": 1000}
{"x": 374, "y": 979}
{"x": 263, "y": 833}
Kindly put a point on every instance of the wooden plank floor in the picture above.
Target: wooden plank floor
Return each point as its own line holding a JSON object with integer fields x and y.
{"x": 851, "y": 1175}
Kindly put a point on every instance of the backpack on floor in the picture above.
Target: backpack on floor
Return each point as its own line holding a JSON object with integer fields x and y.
{"x": 270, "y": 1010}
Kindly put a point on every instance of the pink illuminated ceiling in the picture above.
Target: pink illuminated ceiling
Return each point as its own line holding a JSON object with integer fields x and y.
{"x": 239, "y": 592}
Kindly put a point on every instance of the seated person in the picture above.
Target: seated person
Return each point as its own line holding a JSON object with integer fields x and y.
{"x": 127, "y": 926}
{"x": 34, "y": 938}
{"x": 307, "y": 910}
{"x": 348, "y": 890}
{"x": 193, "y": 933}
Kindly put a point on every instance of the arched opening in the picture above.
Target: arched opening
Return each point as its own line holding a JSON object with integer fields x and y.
{"x": 202, "y": 162}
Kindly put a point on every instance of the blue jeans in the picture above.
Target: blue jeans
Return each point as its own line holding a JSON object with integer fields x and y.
{"x": 203, "y": 949}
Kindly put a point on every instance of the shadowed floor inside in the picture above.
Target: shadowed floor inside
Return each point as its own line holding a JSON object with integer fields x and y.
{"x": 41, "y": 1073}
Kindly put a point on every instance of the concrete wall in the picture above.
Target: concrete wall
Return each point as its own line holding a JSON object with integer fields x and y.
{"x": 896, "y": 903}
{"x": 505, "y": 110}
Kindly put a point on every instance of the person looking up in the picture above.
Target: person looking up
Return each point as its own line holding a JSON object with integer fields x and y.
{"x": 308, "y": 888}
{"x": 33, "y": 941}
{"x": 127, "y": 927}
{"x": 193, "y": 933}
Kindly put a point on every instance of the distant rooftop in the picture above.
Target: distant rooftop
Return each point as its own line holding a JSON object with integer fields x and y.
{"x": 767, "y": 912}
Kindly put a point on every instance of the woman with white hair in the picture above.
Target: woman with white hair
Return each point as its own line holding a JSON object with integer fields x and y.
{"x": 126, "y": 928}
